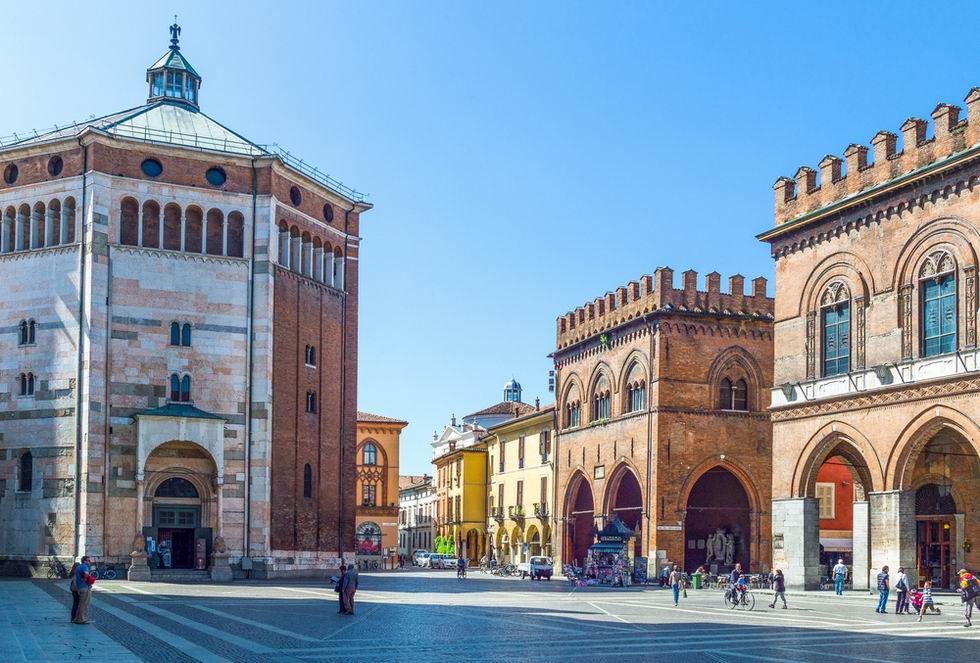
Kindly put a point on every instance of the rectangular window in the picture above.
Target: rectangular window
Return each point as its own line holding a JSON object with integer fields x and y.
{"x": 938, "y": 315}
{"x": 157, "y": 85}
{"x": 836, "y": 339}
{"x": 520, "y": 452}
{"x": 459, "y": 511}
{"x": 520, "y": 493}
{"x": 503, "y": 454}
{"x": 825, "y": 495}
{"x": 544, "y": 492}
{"x": 544, "y": 445}
{"x": 175, "y": 84}
{"x": 368, "y": 494}
{"x": 500, "y": 496}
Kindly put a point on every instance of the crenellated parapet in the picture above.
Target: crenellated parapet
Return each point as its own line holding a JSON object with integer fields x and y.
{"x": 809, "y": 190}
{"x": 657, "y": 293}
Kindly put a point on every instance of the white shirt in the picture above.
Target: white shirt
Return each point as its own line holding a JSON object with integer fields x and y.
{"x": 840, "y": 569}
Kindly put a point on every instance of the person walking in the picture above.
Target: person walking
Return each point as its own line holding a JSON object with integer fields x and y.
{"x": 969, "y": 595}
{"x": 74, "y": 591}
{"x": 778, "y": 589}
{"x": 338, "y": 587}
{"x": 883, "y": 587}
{"x": 927, "y": 601}
{"x": 840, "y": 574}
{"x": 664, "y": 575}
{"x": 348, "y": 587}
{"x": 901, "y": 592}
{"x": 83, "y": 580}
{"x": 674, "y": 580}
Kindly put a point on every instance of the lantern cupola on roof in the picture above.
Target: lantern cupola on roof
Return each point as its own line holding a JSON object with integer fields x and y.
{"x": 172, "y": 78}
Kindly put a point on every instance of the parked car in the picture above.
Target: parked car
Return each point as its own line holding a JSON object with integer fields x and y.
{"x": 443, "y": 562}
{"x": 417, "y": 556}
{"x": 536, "y": 568}
{"x": 424, "y": 560}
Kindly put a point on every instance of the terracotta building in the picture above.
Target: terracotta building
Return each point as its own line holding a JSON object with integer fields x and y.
{"x": 876, "y": 359}
{"x": 377, "y": 484}
{"x": 179, "y": 342}
{"x": 662, "y": 399}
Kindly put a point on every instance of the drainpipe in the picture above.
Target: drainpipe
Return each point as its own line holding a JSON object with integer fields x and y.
{"x": 80, "y": 353}
{"x": 246, "y": 538}
{"x": 343, "y": 383}
{"x": 106, "y": 404}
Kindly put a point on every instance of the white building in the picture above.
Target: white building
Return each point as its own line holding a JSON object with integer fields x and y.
{"x": 416, "y": 508}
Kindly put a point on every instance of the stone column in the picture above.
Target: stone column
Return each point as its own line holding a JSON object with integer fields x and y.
{"x": 33, "y": 235}
{"x": 49, "y": 238}
{"x": 224, "y": 237}
{"x": 339, "y": 273}
{"x": 139, "y": 226}
{"x": 19, "y": 232}
{"x": 959, "y": 555}
{"x": 64, "y": 226}
{"x": 295, "y": 254}
{"x": 183, "y": 226}
{"x": 5, "y": 235}
{"x": 328, "y": 268}
{"x": 796, "y": 541}
{"x": 861, "y": 542}
{"x": 318, "y": 264}
{"x": 893, "y": 532}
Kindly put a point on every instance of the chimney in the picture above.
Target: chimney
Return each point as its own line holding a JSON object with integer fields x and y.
{"x": 453, "y": 419}
{"x": 537, "y": 403}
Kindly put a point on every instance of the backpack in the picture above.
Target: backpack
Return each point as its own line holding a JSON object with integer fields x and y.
{"x": 971, "y": 587}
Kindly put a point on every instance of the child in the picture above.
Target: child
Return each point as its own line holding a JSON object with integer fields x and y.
{"x": 927, "y": 601}
{"x": 778, "y": 589}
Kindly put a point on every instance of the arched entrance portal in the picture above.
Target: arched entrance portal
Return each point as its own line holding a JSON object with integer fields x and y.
{"x": 717, "y": 524}
{"x": 176, "y": 515}
{"x": 626, "y": 501}
{"x": 579, "y": 520}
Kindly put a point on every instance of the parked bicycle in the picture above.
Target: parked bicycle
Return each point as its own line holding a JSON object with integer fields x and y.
{"x": 106, "y": 573}
{"x": 57, "y": 570}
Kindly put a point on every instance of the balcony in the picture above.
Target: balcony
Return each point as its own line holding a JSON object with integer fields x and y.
{"x": 500, "y": 468}
{"x": 540, "y": 511}
{"x": 497, "y": 514}
{"x": 877, "y": 378}
{"x": 544, "y": 459}
{"x": 516, "y": 513}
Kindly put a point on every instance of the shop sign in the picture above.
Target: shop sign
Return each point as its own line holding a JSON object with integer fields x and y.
{"x": 669, "y": 528}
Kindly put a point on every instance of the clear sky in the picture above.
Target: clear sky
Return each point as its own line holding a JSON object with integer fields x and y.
{"x": 522, "y": 158}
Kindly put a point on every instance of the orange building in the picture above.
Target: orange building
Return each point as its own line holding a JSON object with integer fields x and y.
{"x": 376, "y": 514}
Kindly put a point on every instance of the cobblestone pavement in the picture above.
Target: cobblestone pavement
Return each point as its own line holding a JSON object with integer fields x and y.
{"x": 429, "y": 615}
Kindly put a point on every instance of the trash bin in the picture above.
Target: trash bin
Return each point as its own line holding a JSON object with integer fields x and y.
{"x": 696, "y": 580}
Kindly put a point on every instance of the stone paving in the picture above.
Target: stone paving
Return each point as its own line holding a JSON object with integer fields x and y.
{"x": 430, "y": 615}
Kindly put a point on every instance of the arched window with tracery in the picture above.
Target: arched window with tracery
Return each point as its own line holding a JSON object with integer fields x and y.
{"x": 180, "y": 388}
{"x": 636, "y": 390}
{"x": 835, "y": 329}
{"x": 937, "y": 280}
{"x": 733, "y": 394}
{"x": 370, "y": 454}
{"x": 573, "y": 408}
{"x": 601, "y": 400}
{"x": 368, "y": 538}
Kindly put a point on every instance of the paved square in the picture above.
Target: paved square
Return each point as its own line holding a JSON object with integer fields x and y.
{"x": 430, "y": 615}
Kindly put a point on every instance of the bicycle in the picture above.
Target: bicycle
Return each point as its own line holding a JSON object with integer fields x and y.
{"x": 461, "y": 573}
{"x": 107, "y": 573}
{"x": 57, "y": 570}
{"x": 744, "y": 600}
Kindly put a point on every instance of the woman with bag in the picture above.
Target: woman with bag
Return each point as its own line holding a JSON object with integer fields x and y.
{"x": 74, "y": 591}
{"x": 902, "y": 592}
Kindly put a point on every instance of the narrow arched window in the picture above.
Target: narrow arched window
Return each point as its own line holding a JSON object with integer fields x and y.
{"x": 22, "y": 384}
{"x": 835, "y": 329}
{"x": 174, "y": 333}
{"x": 725, "y": 394}
{"x": 370, "y": 455}
{"x": 30, "y": 384}
{"x": 23, "y": 332}
{"x": 129, "y": 222}
{"x": 740, "y": 396}
{"x": 310, "y": 355}
{"x": 31, "y": 329}
{"x": 185, "y": 335}
{"x": 26, "y": 483}
{"x": 185, "y": 389}
{"x": 175, "y": 388}
{"x": 307, "y": 481}
{"x": 311, "y": 401}
{"x": 938, "y": 304}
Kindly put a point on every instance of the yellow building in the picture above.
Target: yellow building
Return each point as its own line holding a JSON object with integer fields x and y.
{"x": 521, "y": 483}
{"x": 376, "y": 514}
{"x": 460, "y": 460}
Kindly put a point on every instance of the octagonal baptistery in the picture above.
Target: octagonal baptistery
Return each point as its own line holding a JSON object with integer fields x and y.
{"x": 179, "y": 342}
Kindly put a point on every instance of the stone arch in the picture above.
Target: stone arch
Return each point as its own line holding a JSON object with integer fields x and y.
{"x": 624, "y": 498}
{"x": 533, "y": 538}
{"x": 194, "y": 229}
{"x": 840, "y": 439}
{"x": 918, "y": 433}
{"x": 171, "y": 227}
{"x": 68, "y": 211}
{"x": 959, "y": 237}
{"x": 636, "y": 359}
{"x": 572, "y": 394}
{"x": 150, "y": 224}
{"x": 215, "y": 232}
{"x": 236, "y": 235}
{"x": 710, "y": 503}
{"x": 52, "y": 226}
{"x": 579, "y": 517}
{"x": 129, "y": 211}
{"x": 841, "y": 266}
{"x": 736, "y": 468}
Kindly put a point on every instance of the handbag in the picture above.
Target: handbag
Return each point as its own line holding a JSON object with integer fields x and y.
{"x": 89, "y": 579}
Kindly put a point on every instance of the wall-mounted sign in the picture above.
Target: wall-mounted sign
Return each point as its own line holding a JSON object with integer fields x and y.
{"x": 669, "y": 528}
{"x": 599, "y": 472}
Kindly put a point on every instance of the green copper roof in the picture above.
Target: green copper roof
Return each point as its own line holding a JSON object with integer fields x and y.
{"x": 179, "y": 410}
{"x": 173, "y": 59}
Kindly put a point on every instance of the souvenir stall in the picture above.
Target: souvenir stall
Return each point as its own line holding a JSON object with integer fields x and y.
{"x": 610, "y": 560}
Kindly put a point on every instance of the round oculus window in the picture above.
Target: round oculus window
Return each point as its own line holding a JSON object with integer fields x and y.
{"x": 55, "y": 166}
{"x": 328, "y": 212}
{"x": 295, "y": 196}
{"x": 151, "y": 168}
{"x": 215, "y": 176}
{"x": 10, "y": 173}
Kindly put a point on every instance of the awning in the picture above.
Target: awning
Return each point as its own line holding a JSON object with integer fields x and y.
{"x": 608, "y": 547}
{"x": 838, "y": 545}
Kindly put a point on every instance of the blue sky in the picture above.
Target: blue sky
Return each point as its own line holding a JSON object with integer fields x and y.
{"x": 523, "y": 159}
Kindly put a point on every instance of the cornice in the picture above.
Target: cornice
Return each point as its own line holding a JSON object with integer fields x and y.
{"x": 166, "y": 254}
{"x": 29, "y": 254}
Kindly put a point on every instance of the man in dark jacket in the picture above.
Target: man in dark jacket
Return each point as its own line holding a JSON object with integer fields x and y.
{"x": 348, "y": 586}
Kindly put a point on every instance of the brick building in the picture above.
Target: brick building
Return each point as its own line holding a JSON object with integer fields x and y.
{"x": 662, "y": 399}
{"x": 876, "y": 359}
{"x": 179, "y": 342}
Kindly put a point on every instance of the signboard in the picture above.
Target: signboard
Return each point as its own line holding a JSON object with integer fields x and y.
{"x": 669, "y": 528}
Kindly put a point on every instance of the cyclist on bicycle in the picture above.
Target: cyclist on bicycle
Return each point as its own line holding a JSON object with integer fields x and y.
{"x": 738, "y": 583}
{"x": 461, "y": 567}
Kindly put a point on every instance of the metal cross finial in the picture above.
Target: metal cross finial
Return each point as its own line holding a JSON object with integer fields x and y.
{"x": 174, "y": 33}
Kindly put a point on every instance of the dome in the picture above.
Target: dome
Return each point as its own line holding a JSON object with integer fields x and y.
{"x": 172, "y": 77}
{"x": 512, "y": 384}
{"x": 512, "y": 391}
